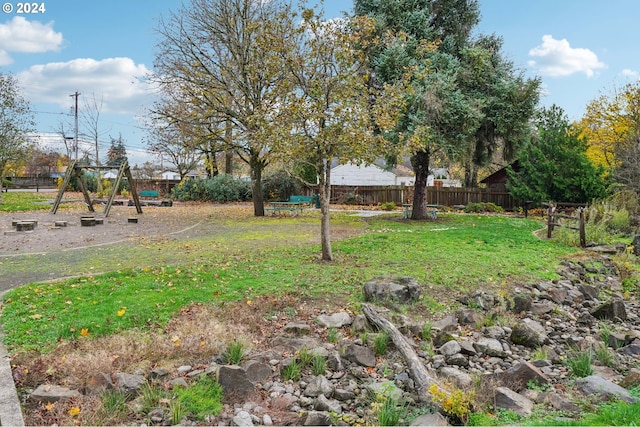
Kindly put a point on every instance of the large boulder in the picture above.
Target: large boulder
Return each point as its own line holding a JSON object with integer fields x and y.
{"x": 529, "y": 333}
{"x": 395, "y": 289}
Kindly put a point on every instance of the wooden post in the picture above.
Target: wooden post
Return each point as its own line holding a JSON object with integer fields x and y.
{"x": 550, "y": 221}
{"x": 583, "y": 237}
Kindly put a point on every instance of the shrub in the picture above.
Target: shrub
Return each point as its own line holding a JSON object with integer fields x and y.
{"x": 388, "y": 206}
{"x": 483, "y": 207}
{"x": 280, "y": 186}
{"x": 221, "y": 188}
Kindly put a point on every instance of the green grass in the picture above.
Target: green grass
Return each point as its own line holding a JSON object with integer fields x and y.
{"x": 202, "y": 398}
{"x": 457, "y": 252}
{"x": 27, "y": 201}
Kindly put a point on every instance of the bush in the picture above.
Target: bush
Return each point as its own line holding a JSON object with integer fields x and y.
{"x": 280, "y": 186}
{"x": 483, "y": 207}
{"x": 221, "y": 188}
{"x": 388, "y": 206}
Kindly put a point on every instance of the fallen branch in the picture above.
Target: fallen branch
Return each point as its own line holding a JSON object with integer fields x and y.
{"x": 417, "y": 370}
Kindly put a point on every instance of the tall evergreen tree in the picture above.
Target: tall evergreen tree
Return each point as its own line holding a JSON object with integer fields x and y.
{"x": 554, "y": 165}
{"x": 464, "y": 100}
{"x": 117, "y": 153}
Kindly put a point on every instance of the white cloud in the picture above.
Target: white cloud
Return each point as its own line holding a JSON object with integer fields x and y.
{"x": 557, "y": 58}
{"x": 120, "y": 82}
{"x": 630, "y": 74}
{"x": 20, "y": 35}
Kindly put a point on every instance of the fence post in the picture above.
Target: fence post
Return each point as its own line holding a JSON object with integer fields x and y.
{"x": 550, "y": 221}
{"x": 583, "y": 237}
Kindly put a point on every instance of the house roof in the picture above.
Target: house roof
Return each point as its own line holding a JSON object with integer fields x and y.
{"x": 500, "y": 175}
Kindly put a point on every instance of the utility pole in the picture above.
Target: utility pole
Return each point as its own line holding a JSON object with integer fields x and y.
{"x": 75, "y": 111}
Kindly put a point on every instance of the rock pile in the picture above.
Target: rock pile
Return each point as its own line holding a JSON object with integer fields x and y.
{"x": 514, "y": 348}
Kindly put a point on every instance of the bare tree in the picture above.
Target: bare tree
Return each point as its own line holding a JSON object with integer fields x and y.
{"x": 210, "y": 50}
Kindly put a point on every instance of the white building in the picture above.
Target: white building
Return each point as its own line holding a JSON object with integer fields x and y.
{"x": 353, "y": 175}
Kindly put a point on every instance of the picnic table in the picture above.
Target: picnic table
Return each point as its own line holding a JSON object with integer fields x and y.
{"x": 277, "y": 207}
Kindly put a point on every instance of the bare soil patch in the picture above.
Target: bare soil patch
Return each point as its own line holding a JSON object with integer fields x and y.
{"x": 154, "y": 221}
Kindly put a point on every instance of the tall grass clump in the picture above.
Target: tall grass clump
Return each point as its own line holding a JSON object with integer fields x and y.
{"x": 579, "y": 363}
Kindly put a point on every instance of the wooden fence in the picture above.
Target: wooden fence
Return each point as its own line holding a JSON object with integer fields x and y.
{"x": 554, "y": 220}
{"x": 442, "y": 196}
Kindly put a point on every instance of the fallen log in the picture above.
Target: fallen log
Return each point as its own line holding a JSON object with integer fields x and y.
{"x": 418, "y": 372}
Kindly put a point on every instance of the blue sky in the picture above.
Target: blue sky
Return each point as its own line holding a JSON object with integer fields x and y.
{"x": 104, "y": 49}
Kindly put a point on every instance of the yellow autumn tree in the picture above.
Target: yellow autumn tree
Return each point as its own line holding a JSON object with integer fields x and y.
{"x": 610, "y": 124}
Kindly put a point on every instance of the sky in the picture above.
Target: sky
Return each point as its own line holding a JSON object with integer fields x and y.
{"x": 104, "y": 50}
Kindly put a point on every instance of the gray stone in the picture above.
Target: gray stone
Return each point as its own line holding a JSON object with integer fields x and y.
{"x": 317, "y": 386}
{"x": 336, "y": 320}
{"x": 455, "y": 376}
{"x": 293, "y": 344}
{"x": 297, "y": 328}
{"x": 558, "y": 295}
{"x": 158, "y": 373}
{"x": 178, "y": 382}
{"x": 436, "y": 419}
{"x": 243, "y": 419}
{"x": 397, "y": 289}
{"x": 590, "y": 292}
{"x": 129, "y": 383}
{"x": 447, "y": 324}
{"x": 449, "y": 348}
{"x": 632, "y": 349}
{"x": 494, "y": 332}
{"x": 632, "y": 379}
{"x": 470, "y": 317}
{"x": 361, "y": 355}
{"x": 233, "y": 380}
{"x": 595, "y": 385}
{"x": 522, "y": 302}
{"x": 53, "y": 393}
{"x": 384, "y": 388}
{"x": 512, "y": 401}
{"x": 518, "y": 376}
{"x": 466, "y": 347}
{"x": 529, "y": 333}
{"x": 343, "y": 394}
{"x": 542, "y": 307}
{"x": 561, "y": 403}
{"x": 458, "y": 359}
{"x": 610, "y": 310}
{"x": 322, "y": 403}
{"x": 334, "y": 362}
{"x": 489, "y": 346}
{"x": 97, "y": 383}
{"x": 257, "y": 371}
{"x": 317, "y": 418}
{"x": 360, "y": 323}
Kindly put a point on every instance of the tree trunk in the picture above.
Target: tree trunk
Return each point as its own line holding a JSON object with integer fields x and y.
{"x": 420, "y": 163}
{"x": 470, "y": 175}
{"x": 417, "y": 370}
{"x": 228, "y": 152}
{"x": 257, "y": 166}
{"x": 325, "y": 197}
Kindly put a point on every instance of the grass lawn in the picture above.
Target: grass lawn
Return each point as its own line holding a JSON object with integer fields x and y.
{"x": 240, "y": 262}
{"x": 25, "y": 201}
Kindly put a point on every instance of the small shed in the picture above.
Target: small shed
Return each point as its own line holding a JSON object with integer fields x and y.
{"x": 497, "y": 181}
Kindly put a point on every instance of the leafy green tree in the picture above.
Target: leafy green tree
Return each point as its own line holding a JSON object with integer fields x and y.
{"x": 330, "y": 114}
{"x": 16, "y": 122}
{"x": 463, "y": 99}
{"x": 554, "y": 165}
